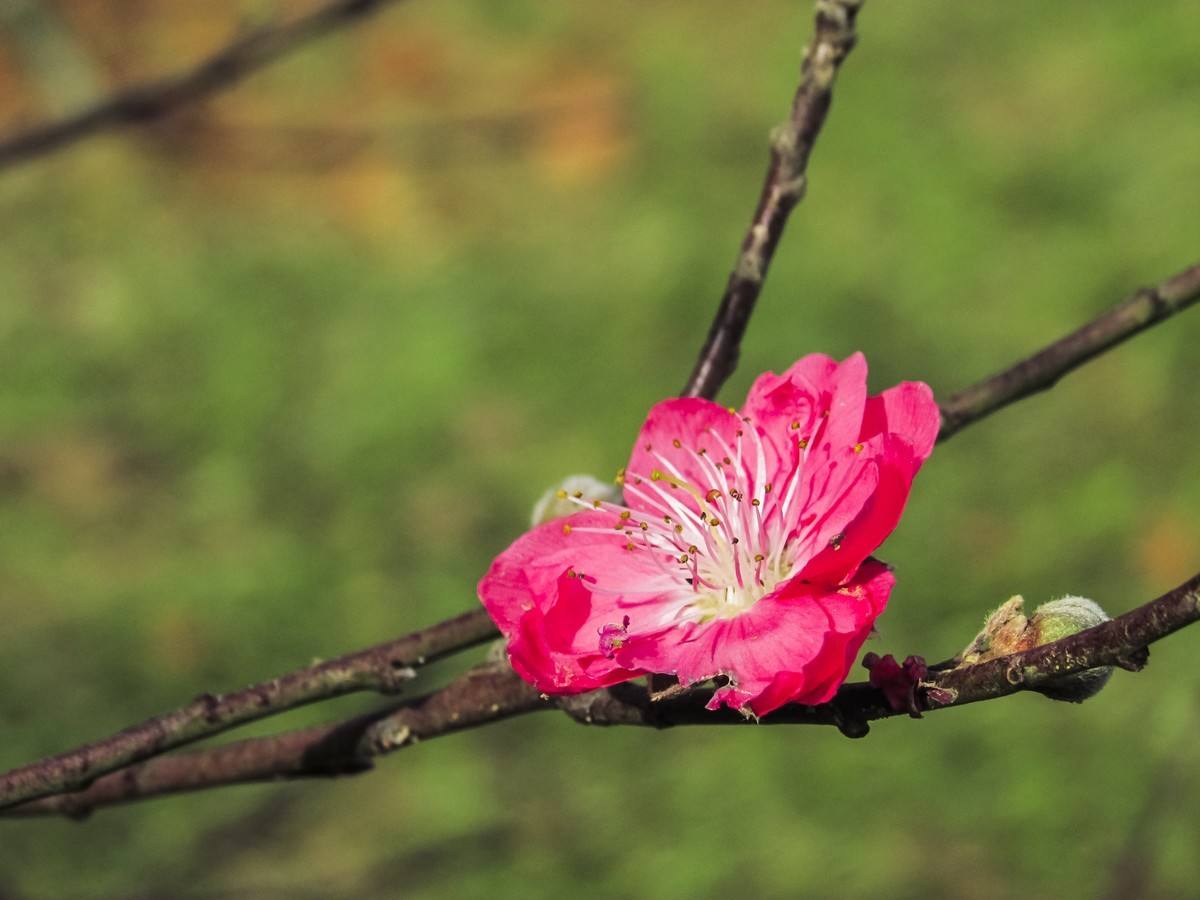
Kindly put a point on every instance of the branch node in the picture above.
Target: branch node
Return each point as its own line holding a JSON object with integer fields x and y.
{"x": 1134, "y": 660}
{"x": 849, "y": 722}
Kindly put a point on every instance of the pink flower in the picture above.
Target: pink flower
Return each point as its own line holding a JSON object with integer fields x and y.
{"x": 742, "y": 550}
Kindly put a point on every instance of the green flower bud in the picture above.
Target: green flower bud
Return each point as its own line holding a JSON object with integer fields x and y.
{"x": 1007, "y": 630}
{"x": 1058, "y": 619}
{"x": 572, "y": 494}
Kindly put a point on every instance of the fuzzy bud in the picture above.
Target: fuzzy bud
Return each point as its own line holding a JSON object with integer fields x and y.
{"x": 1007, "y": 630}
{"x": 1056, "y": 620}
{"x": 572, "y": 494}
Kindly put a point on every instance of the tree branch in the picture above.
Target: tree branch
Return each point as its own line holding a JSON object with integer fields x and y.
{"x": 371, "y": 667}
{"x": 1146, "y": 307}
{"x": 791, "y": 143}
{"x": 150, "y": 100}
{"x": 492, "y": 692}
{"x": 349, "y": 746}
{"x": 384, "y": 668}
{"x": 376, "y": 669}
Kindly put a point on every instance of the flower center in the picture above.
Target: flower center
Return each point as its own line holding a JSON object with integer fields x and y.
{"x": 728, "y": 547}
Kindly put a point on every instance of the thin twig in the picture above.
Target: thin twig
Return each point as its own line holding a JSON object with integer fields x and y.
{"x": 493, "y": 691}
{"x": 783, "y": 188}
{"x": 385, "y": 668}
{"x": 150, "y": 100}
{"x": 1146, "y": 307}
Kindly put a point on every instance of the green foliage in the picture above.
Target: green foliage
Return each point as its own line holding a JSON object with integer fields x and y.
{"x": 240, "y": 427}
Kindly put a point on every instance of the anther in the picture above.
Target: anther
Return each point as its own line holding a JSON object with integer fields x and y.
{"x": 683, "y": 557}
{"x": 643, "y": 525}
{"x": 795, "y": 426}
{"x": 712, "y": 495}
{"x": 755, "y": 502}
{"x": 656, "y": 475}
{"x": 676, "y": 443}
{"x": 758, "y": 557}
{"x": 714, "y": 522}
{"x": 625, "y": 514}
{"x": 578, "y": 495}
{"x": 802, "y": 443}
{"x": 566, "y": 528}
{"x": 560, "y": 494}
{"x": 858, "y": 448}
{"x": 767, "y": 487}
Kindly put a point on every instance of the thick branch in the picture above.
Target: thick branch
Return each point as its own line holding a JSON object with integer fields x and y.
{"x": 384, "y": 668}
{"x": 485, "y": 694}
{"x": 493, "y": 691}
{"x": 153, "y": 99}
{"x": 783, "y": 188}
{"x": 1136, "y": 313}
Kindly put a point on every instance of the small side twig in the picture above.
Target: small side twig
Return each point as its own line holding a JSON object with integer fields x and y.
{"x": 1146, "y": 307}
{"x": 384, "y": 668}
{"x": 791, "y": 143}
{"x": 151, "y": 100}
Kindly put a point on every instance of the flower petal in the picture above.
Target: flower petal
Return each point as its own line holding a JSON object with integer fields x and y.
{"x": 794, "y": 646}
{"x": 819, "y": 398}
{"x": 873, "y": 520}
{"x": 907, "y": 410}
{"x": 676, "y": 434}
{"x": 556, "y": 589}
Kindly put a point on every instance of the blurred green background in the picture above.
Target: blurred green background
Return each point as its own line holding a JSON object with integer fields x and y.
{"x": 280, "y": 375}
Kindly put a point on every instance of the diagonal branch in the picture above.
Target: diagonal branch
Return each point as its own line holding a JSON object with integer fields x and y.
{"x": 1146, "y": 307}
{"x": 492, "y": 692}
{"x": 783, "y": 188}
{"x": 384, "y": 668}
{"x": 153, "y": 99}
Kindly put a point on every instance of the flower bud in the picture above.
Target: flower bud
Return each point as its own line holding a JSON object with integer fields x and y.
{"x": 1058, "y": 619}
{"x": 572, "y": 494}
{"x": 1007, "y": 630}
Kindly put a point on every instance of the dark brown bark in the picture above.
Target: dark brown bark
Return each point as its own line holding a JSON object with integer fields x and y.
{"x": 791, "y": 144}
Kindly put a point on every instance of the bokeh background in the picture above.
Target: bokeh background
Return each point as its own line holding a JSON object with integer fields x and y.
{"x": 281, "y": 374}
